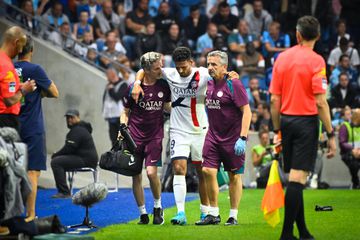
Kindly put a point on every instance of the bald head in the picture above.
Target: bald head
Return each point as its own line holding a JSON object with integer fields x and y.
{"x": 13, "y": 41}
{"x": 355, "y": 117}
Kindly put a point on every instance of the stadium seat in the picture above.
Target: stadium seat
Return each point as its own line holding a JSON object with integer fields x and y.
{"x": 71, "y": 173}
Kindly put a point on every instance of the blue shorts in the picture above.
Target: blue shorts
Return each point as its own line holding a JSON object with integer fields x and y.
{"x": 36, "y": 151}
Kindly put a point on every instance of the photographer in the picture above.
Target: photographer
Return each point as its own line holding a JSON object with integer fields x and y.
{"x": 349, "y": 141}
{"x": 261, "y": 156}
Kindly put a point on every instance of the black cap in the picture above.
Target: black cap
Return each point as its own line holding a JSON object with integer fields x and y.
{"x": 72, "y": 112}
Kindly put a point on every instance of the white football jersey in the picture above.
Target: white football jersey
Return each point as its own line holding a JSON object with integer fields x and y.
{"x": 188, "y": 100}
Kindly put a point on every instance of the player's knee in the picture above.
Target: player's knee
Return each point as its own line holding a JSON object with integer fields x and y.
{"x": 298, "y": 176}
{"x": 179, "y": 169}
{"x": 151, "y": 173}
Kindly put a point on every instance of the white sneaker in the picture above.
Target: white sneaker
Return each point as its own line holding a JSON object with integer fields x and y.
{"x": 314, "y": 182}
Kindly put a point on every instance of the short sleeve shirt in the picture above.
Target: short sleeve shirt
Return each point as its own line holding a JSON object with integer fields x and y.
{"x": 298, "y": 75}
{"x": 146, "y": 117}
{"x": 9, "y": 84}
{"x": 31, "y": 115}
{"x": 223, "y": 102}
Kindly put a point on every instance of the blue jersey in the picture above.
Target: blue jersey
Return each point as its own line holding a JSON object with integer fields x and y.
{"x": 31, "y": 116}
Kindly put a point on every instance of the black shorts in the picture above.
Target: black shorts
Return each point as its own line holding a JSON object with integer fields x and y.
{"x": 300, "y": 135}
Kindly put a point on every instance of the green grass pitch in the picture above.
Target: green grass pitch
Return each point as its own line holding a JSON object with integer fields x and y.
{"x": 342, "y": 223}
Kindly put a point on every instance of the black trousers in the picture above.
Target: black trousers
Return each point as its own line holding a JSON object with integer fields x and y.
{"x": 60, "y": 165}
{"x": 354, "y": 166}
{"x": 114, "y": 127}
{"x": 10, "y": 120}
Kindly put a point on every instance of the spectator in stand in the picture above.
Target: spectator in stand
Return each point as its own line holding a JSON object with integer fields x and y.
{"x": 120, "y": 11}
{"x": 350, "y": 13}
{"x": 343, "y": 95}
{"x": 194, "y": 25}
{"x": 238, "y": 39}
{"x": 212, "y": 7}
{"x": 264, "y": 117}
{"x": 62, "y": 38}
{"x": 164, "y": 18}
{"x": 253, "y": 124}
{"x": 92, "y": 7}
{"x": 251, "y": 63}
{"x": 323, "y": 11}
{"x": 27, "y": 19}
{"x": 274, "y": 42}
{"x": 82, "y": 26}
{"x": 225, "y": 20}
{"x": 345, "y": 117}
{"x": 92, "y": 57}
{"x": 149, "y": 41}
{"x": 344, "y": 66}
{"x": 349, "y": 142}
{"x": 110, "y": 53}
{"x": 288, "y": 20}
{"x": 259, "y": 20}
{"x": 171, "y": 41}
{"x": 54, "y": 17}
{"x": 344, "y": 48}
{"x": 87, "y": 41}
{"x": 205, "y": 44}
{"x": 256, "y": 95}
{"x": 340, "y": 32}
{"x": 105, "y": 20}
{"x": 125, "y": 72}
{"x": 135, "y": 23}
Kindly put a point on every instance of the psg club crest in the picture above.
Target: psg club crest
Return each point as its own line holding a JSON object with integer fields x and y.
{"x": 193, "y": 84}
{"x": 220, "y": 94}
{"x": 160, "y": 94}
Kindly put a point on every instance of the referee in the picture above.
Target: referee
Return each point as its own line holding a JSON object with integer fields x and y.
{"x": 298, "y": 89}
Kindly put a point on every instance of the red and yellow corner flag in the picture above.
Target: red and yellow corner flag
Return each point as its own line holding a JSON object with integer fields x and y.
{"x": 273, "y": 198}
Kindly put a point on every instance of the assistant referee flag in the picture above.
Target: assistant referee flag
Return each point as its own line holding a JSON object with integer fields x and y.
{"x": 273, "y": 198}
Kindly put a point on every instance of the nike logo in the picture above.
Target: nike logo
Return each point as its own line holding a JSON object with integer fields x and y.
{"x": 234, "y": 169}
{"x": 153, "y": 161}
{"x": 132, "y": 161}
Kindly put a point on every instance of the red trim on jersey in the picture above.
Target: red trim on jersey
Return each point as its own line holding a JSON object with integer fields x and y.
{"x": 196, "y": 162}
{"x": 193, "y": 102}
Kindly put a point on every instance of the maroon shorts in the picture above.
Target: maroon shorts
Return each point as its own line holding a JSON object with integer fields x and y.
{"x": 215, "y": 153}
{"x": 150, "y": 151}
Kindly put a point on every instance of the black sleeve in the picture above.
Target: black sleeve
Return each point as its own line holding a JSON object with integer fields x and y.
{"x": 120, "y": 94}
{"x": 72, "y": 142}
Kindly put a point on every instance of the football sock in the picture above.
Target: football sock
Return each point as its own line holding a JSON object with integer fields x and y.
{"x": 157, "y": 203}
{"x": 300, "y": 220}
{"x": 233, "y": 213}
{"x": 293, "y": 198}
{"x": 142, "y": 209}
{"x": 179, "y": 185}
{"x": 214, "y": 211}
{"x": 204, "y": 209}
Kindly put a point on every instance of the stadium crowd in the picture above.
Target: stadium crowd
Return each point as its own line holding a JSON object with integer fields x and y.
{"x": 253, "y": 32}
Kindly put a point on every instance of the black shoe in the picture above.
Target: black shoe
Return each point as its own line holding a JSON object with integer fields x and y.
{"x": 309, "y": 237}
{"x": 144, "y": 219}
{"x": 158, "y": 216}
{"x": 61, "y": 195}
{"x": 289, "y": 238}
{"x": 231, "y": 221}
{"x": 209, "y": 220}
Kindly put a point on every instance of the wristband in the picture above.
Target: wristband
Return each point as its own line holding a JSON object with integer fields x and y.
{"x": 243, "y": 138}
{"x": 137, "y": 82}
{"x": 330, "y": 135}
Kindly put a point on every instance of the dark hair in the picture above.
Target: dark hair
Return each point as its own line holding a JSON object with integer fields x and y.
{"x": 263, "y": 131}
{"x": 29, "y": 46}
{"x": 340, "y": 21}
{"x": 223, "y": 4}
{"x": 343, "y": 56}
{"x": 181, "y": 54}
{"x": 194, "y": 7}
{"x": 308, "y": 27}
{"x": 343, "y": 41}
{"x": 343, "y": 74}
